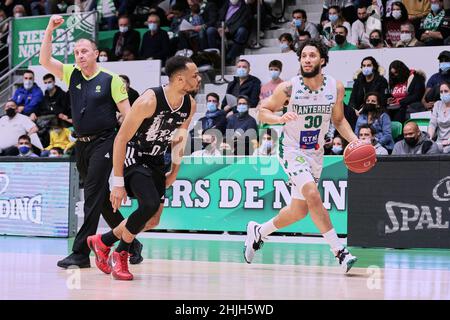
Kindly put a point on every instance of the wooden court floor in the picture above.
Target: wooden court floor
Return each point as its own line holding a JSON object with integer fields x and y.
{"x": 185, "y": 268}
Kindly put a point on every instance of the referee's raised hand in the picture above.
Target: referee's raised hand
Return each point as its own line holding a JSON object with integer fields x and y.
{"x": 54, "y": 22}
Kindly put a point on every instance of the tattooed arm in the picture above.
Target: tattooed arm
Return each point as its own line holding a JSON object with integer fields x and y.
{"x": 275, "y": 103}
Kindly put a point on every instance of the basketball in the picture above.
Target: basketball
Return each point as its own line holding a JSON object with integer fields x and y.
{"x": 359, "y": 156}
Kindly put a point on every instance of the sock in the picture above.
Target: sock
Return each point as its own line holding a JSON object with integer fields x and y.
{"x": 267, "y": 228}
{"x": 333, "y": 240}
{"x": 109, "y": 238}
{"x": 123, "y": 246}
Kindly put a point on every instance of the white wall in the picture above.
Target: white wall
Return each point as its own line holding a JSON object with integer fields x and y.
{"x": 343, "y": 64}
{"x": 142, "y": 74}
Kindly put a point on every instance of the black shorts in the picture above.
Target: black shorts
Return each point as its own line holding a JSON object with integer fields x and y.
{"x": 157, "y": 175}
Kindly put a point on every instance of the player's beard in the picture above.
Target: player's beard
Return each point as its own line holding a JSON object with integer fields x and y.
{"x": 312, "y": 73}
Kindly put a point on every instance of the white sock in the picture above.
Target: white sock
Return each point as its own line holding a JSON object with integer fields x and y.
{"x": 267, "y": 228}
{"x": 333, "y": 240}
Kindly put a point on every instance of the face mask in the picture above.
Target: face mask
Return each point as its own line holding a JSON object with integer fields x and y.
{"x": 28, "y": 84}
{"x": 284, "y": 46}
{"x": 241, "y": 72}
{"x": 205, "y": 144}
{"x": 397, "y": 14}
{"x": 370, "y": 107}
{"x": 297, "y": 23}
{"x": 123, "y": 29}
{"x": 49, "y": 86}
{"x": 445, "y": 97}
{"x": 375, "y": 41}
{"x": 211, "y": 106}
{"x": 333, "y": 17}
{"x": 444, "y": 66}
{"x": 340, "y": 39}
{"x": 367, "y": 71}
{"x": 52, "y": 155}
{"x": 435, "y": 7}
{"x": 336, "y": 149}
{"x": 102, "y": 59}
{"x": 24, "y": 149}
{"x": 267, "y": 145}
{"x": 405, "y": 37}
{"x": 274, "y": 74}
{"x": 18, "y": 15}
{"x": 241, "y": 108}
{"x": 234, "y": 2}
{"x": 10, "y": 112}
{"x": 411, "y": 141}
{"x": 152, "y": 26}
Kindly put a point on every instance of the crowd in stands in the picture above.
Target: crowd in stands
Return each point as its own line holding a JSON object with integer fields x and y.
{"x": 381, "y": 95}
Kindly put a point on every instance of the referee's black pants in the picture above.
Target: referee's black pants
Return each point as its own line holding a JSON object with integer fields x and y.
{"x": 94, "y": 163}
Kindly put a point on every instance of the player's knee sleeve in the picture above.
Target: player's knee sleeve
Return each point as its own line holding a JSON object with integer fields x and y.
{"x": 146, "y": 210}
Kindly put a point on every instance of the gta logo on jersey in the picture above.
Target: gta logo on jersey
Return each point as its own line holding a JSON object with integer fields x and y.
{"x": 309, "y": 139}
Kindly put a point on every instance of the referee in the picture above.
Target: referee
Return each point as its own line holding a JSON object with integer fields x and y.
{"x": 96, "y": 95}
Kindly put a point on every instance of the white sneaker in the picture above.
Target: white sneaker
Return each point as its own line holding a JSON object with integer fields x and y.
{"x": 253, "y": 241}
{"x": 345, "y": 259}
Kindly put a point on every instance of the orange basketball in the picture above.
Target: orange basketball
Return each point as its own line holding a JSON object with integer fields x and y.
{"x": 359, "y": 156}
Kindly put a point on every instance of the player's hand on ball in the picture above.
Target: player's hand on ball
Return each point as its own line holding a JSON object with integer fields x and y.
{"x": 170, "y": 178}
{"x": 288, "y": 116}
{"x": 55, "y": 21}
{"x": 117, "y": 197}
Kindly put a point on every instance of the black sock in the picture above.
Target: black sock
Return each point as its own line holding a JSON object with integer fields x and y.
{"x": 109, "y": 238}
{"x": 123, "y": 246}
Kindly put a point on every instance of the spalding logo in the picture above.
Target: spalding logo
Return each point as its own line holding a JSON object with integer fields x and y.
{"x": 4, "y": 182}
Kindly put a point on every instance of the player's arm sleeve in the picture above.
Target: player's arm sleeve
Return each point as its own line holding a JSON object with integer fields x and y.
{"x": 67, "y": 73}
{"x": 118, "y": 89}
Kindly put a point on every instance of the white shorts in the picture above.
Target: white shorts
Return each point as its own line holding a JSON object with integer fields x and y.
{"x": 301, "y": 167}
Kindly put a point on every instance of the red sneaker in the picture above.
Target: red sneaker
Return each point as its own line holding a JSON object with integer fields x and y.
{"x": 101, "y": 252}
{"x": 119, "y": 265}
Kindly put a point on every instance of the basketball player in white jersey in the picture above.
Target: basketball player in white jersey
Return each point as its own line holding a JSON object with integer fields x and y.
{"x": 314, "y": 99}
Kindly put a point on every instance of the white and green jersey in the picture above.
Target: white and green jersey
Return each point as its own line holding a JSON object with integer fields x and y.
{"x": 314, "y": 108}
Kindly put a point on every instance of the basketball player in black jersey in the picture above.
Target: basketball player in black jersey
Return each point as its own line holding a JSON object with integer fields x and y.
{"x": 158, "y": 117}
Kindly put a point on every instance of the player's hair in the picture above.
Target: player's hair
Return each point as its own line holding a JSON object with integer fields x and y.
{"x": 276, "y": 64}
{"x": 176, "y": 64}
{"x": 319, "y": 45}
{"x": 49, "y": 76}
{"x": 368, "y": 126}
{"x": 92, "y": 42}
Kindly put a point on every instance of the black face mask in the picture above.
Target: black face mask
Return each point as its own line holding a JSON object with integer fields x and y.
{"x": 11, "y": 112}
{"x": 412, "y": 142}
{"x": 375, "y": 41}
{"x": 205, "y": 144}
{"x": 340, "y": 39}
{"x": 370, "y": 107}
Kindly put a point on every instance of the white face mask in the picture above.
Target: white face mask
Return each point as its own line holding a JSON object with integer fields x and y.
{"x": 102, "y": 59}
{"x": 405, "y": 37}
{"x": 234, "y": 2}
{"x": 18, "y": 15}
{"x": 28, "y": 84}
{"x": 123, "y": 29}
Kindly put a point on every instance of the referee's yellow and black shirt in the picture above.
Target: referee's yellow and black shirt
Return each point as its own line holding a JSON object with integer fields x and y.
{"x": 93, "y": 100}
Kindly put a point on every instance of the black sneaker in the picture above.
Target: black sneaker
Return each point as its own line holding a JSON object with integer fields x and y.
{"x": 75, "y": 260}
{"x": 135, "y": 252}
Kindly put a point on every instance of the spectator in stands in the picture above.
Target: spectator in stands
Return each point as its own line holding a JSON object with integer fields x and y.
{"x": 346, "y": 6}
{"x": 267, "y": 146}
{"x": 107, "y": 13}
{"x": 37, "y": 7}
{"x": 214, "y": 117}
{"x": 126, "y": 37}
{"x": 414, "y": 142}
{"x": 56, "y": 152}
{"x": 329, "y": 29}
{"x": 405, "y": 87}
{"x": 132, "y": 94}
{"x": 243, "y": 126}
{"x": 440, "y": 119}
{"x": 19, "y": 11}
{"x": 302, "y": 37}
{"x": 361, "y": 28}
{"x": 210, "y": 142}
{"x": 408, "y": 36}
{"x": 237, "y": 16}
{"x": 3, "y": 41}
{"x": 300, "y": 23}
{"x": 368, "y": 79}
{"x": 155, "y": 42}
{"x": 417, "y": 10}
{"x": 286, "y": 43}
{"x": 399, "y": 15}
{"x": 210, "y": 14}
{"x": 25, "y": 148}
{"x": 128, "y": 55}
{"x": 243, "y": 84}
{"x": 28, "y": 96}
{"x": 435, "y": 28}
{"x": 339, "y": 145}
{"x": 60, "y": 136}
{"x": 12, "y": 126}
{"x": 57, "y": 6}
{"x": 103, "y": 55}
{"x": 367, "y": 134}
{"x": 275, "y": 68}
{"x": 190, "y": 39}
{"x": 56, "y": 102}
{"x": 340, "y": 38}
{"x": 376, "y": 39}
{"x": 373, "y": 114}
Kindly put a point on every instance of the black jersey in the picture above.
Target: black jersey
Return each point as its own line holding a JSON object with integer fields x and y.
{"x": 155, "y": 133}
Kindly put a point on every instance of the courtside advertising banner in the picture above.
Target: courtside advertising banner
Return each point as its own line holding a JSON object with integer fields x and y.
{"x": 225, "y": 193}
{"x": 28, "y": 33}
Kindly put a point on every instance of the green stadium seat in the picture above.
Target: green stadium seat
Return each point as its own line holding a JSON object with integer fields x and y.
{"x": 348, "y": 92}
{"x": 396, "y": 129}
